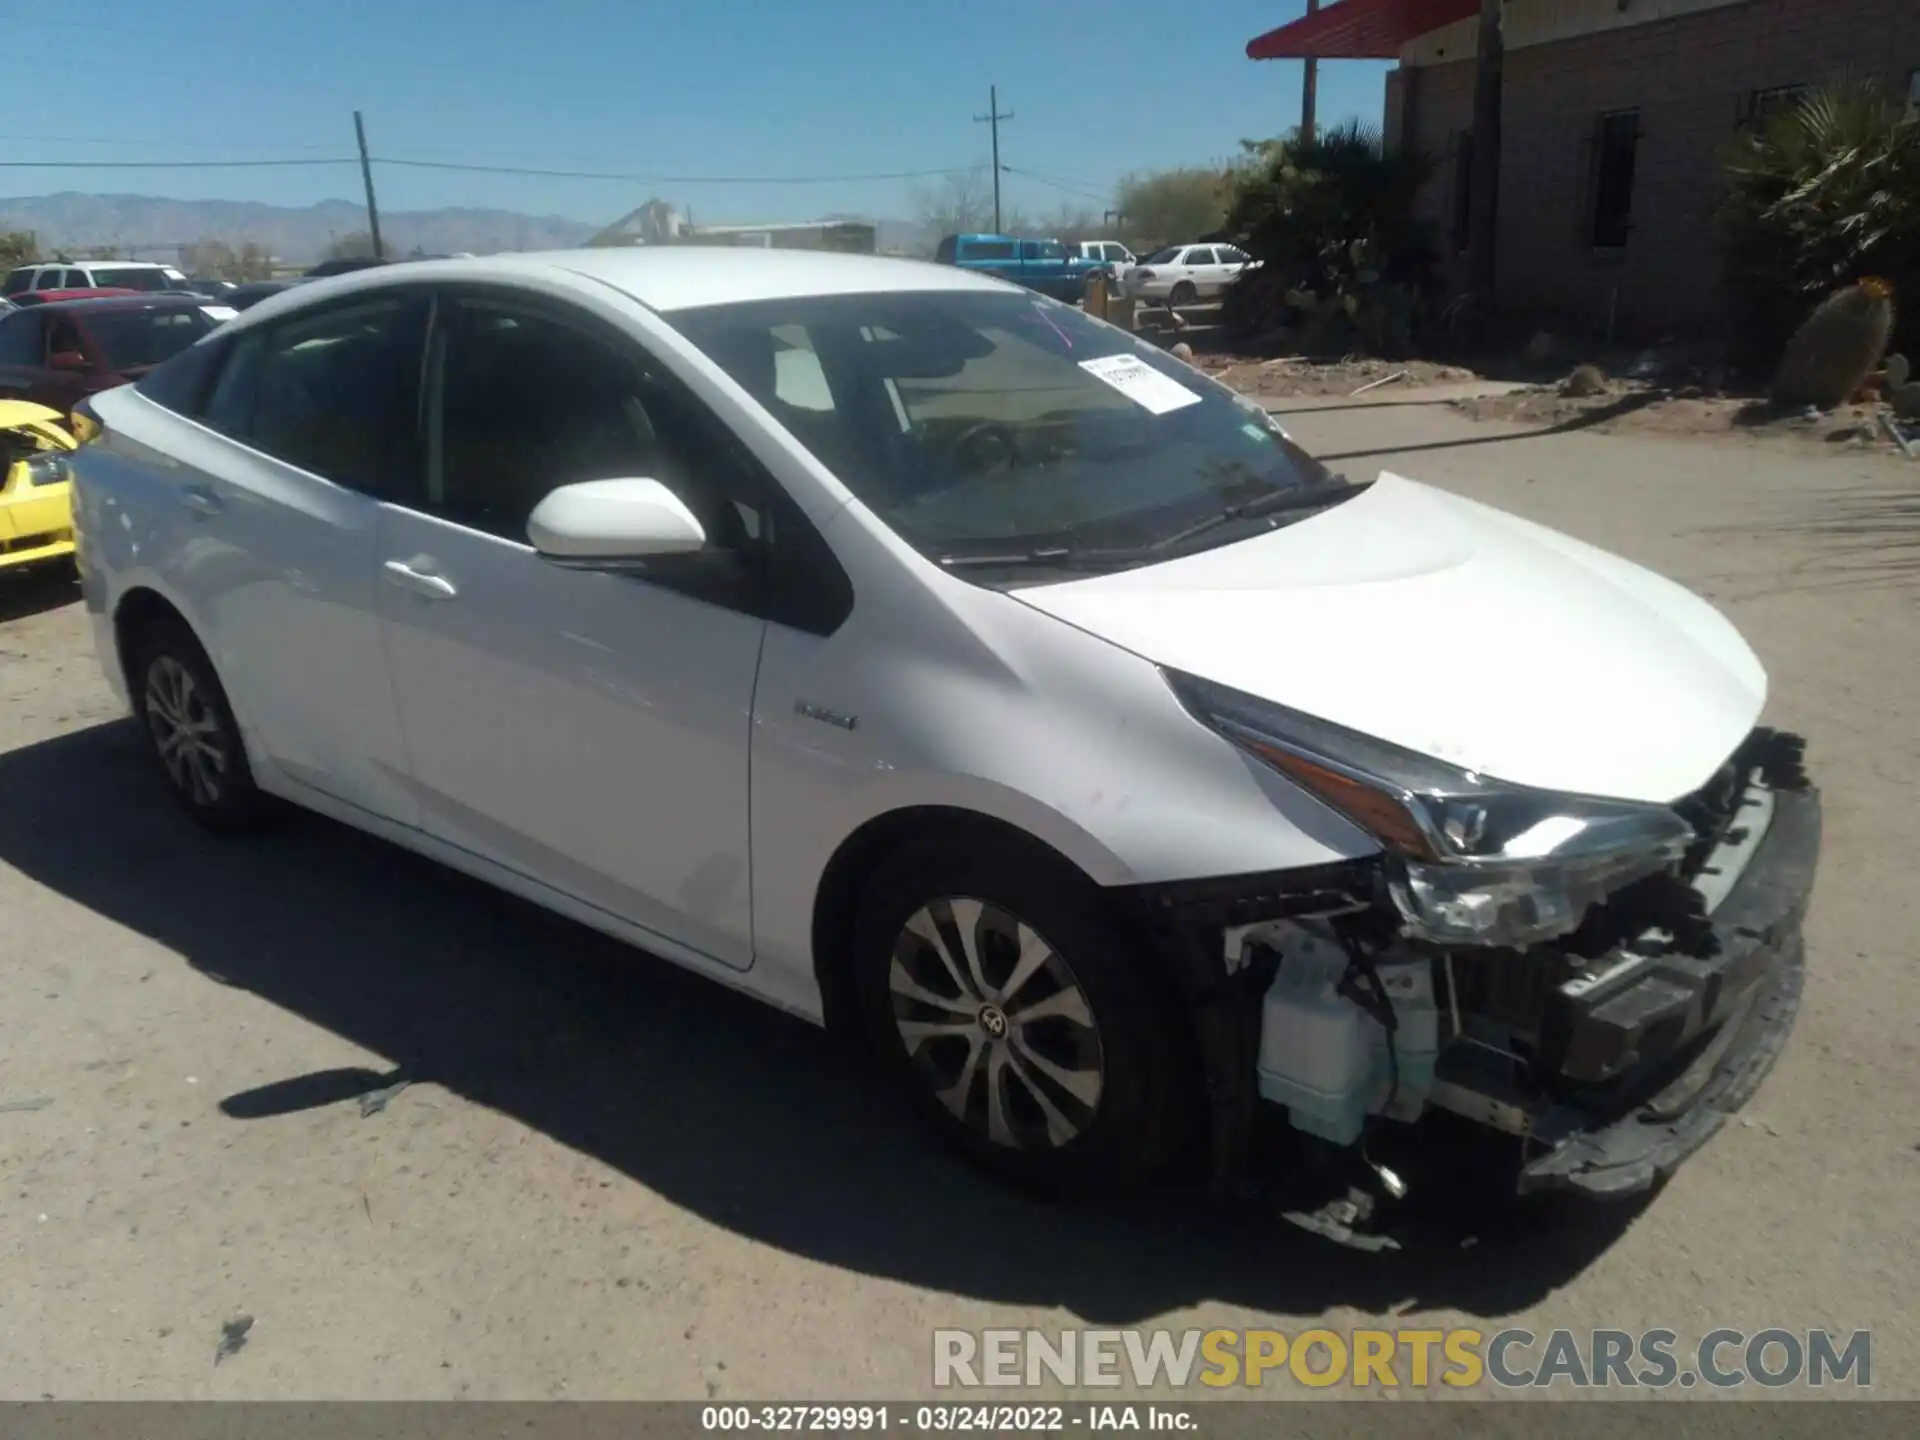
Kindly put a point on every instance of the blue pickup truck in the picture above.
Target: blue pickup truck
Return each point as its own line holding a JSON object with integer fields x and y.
{"x": 1043, "y": 265}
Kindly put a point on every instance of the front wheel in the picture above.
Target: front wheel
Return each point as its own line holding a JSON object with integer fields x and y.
{"x": 1183, "y": 294}
{"x": 1007, "y": 1006}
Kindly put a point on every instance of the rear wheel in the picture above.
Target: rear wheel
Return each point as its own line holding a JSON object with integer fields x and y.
{"x": 190, "y": 726}
{"x": 1006, "y": 1005}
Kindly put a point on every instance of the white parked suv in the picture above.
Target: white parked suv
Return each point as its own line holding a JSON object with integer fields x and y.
{"x": 1187, "y": 274}
{"x": 94, "y": 275}
{"x": 926, "y": 658}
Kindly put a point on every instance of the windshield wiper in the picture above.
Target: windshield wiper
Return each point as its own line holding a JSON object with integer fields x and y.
{"x": 1053, "y": 557}
{"x": 1066, "y": 557}
{"x": 1330, "y": 491}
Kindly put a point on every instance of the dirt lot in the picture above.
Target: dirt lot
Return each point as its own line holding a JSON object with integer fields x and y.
{"x": 1630, "y": 408}
{"x": 612, "y": 1180}
{"x": 1651, "y": 394}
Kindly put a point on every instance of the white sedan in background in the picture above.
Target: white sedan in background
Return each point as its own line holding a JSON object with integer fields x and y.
{"x": 920, "y": 655}
{"x": 1187, "y": 274}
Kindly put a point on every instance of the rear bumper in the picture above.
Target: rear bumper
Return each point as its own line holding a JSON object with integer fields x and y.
{"x": 1736, "y": 1011}
{"x": 35, "y": 524}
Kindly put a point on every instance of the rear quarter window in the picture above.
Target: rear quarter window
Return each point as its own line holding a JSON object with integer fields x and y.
{"x": 182, "y": 383}
{"x": 17, "y": 281}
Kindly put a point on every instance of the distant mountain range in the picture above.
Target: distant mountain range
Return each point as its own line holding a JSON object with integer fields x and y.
{"x": 153, "y": 228}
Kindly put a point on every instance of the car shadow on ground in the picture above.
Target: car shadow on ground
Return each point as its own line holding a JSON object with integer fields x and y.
{"x": 36, "y": 590}
{"x": 750, "y": 1119}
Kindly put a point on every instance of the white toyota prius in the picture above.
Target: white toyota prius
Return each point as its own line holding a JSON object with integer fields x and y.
{"x": 924, "y": 657}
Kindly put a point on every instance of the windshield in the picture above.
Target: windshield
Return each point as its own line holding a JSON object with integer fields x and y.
{"x": 137, "y": 277}
{"x": 976, "y": 423}
{"x": 1164, "y": 257}
{"x": 130, "y": 339}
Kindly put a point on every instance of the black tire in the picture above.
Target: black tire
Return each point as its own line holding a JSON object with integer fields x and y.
{"x": 175, "y": 690}
{"x": 1183, "y": 294}
{"x": 1140, "y": 1113}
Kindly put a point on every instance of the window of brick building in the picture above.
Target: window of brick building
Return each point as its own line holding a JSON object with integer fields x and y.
{"x": 1762, "y": 105}
{"x": 1462, "y": 219}
{"x": 1616, "y": 142}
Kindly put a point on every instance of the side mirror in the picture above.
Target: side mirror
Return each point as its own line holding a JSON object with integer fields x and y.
{"x": 607, "y": 522}
{"x": 68, "y": 360}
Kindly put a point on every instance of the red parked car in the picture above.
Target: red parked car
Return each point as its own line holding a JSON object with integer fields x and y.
{"x": 57, "y": 353}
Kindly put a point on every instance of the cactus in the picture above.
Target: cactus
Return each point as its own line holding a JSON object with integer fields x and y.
{"x": 1832, "y": 354}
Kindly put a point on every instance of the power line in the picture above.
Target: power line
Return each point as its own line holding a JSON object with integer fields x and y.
{"x": 671, "y": 179}
{"x": 474, "y": 168}
{"x": 1070, "y": 187}
{"x": 163, "y": 164}
{"x": 143, "y": 140}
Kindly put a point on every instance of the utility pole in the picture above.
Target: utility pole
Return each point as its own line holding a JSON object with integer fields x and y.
{"x": 366, "y": 175}
{"x": 1483, "y": 219}
{"x": 993, "y": 117}
{"x": 1309, "y": 87}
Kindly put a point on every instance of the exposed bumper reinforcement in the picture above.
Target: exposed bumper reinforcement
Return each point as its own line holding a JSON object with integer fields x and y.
{"x": 1632, "y": 1146}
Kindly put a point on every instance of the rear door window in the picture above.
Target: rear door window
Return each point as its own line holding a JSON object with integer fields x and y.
{"x": 64, "y": 338}
{"x": 138, "y": 339}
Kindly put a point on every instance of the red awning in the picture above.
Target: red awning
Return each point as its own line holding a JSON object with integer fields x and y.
{"x": 1358, "y": 29}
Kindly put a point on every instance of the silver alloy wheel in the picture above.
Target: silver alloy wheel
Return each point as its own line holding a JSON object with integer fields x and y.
{"x": 999, "y": 1024}
{"x": 186, "y": 730}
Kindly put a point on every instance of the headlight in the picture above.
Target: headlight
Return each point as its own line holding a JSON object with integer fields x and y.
{"x": 1471, "y": 860}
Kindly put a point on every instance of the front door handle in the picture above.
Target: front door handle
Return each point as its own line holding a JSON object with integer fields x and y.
{"x": 200, "y": 500}
{"x": 434, "y": 587}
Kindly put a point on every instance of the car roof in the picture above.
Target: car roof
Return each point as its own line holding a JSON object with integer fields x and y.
{"x": 668, "y": 277}
{"x": 95, "y": 265}
{"x": 139, "y": 300}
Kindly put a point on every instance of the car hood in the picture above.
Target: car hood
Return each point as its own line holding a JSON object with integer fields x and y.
{"x": 1452, "y": 629}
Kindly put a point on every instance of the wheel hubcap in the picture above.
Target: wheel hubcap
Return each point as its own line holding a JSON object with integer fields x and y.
{"x": 998, "y": 1023}
{"x": 185, "y": 731}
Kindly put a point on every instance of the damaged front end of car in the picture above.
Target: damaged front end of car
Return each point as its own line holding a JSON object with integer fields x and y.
{"x": 1603, "y": 980}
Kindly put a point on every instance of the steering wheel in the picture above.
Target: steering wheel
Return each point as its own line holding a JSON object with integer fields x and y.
{"x": 985, "y": 437}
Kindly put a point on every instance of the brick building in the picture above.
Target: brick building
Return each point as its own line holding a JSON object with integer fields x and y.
{"x": 1614, "y": 116}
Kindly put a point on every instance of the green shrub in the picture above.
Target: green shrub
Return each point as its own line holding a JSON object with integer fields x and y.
{"x": 1819, "y": 197}
{"x": 1343, "y": 260}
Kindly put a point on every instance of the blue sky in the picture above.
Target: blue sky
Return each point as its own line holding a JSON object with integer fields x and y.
{"x": 710, "y": 88}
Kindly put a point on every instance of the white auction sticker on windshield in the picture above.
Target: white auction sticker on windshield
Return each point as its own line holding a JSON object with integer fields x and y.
{"x": 1141, "y": 383}
{"x": 218, "y": 312}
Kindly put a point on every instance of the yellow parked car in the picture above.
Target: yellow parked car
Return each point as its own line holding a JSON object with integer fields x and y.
{"x": 36, "y": 491}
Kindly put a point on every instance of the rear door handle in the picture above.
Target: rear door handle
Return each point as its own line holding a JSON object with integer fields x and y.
{"x": 434, "y": 587}
{"x": 200, "y": 500}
